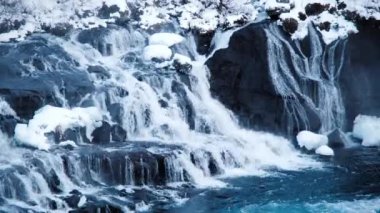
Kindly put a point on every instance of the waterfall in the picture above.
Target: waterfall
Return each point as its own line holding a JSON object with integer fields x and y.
{"x": 177, "y": 132}
{"x": 307, "y": 81}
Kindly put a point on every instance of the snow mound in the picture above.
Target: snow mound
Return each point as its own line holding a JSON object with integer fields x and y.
{"x": 324, "y": 150}
{"x": 367, "y": 128}
{"x": 181, "y": 59}
{"x": 51, "y": 119}
{"x": 310, "y": 140}
{"x": 167, "y": 39}
{"x": 5, "y": 109}
{"x": 157, "y": 51}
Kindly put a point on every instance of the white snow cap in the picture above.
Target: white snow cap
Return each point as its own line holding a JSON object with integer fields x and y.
{"x": 167, "y": 39}
{"x": 367, "y": 128}
{"x": 5, "y": 109}
{"x": 182, "y": 59}
{"x": 311, "y": 140}
{"x": 50, "y": 118}
{"x": 157, "y": 51}
{"x": 324, "y": 150}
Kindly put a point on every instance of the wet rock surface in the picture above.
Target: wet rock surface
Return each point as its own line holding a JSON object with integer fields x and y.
{"x": 33, "y": 71}
{"x": 240, "y": 79}
{"x": 361, "y": 71}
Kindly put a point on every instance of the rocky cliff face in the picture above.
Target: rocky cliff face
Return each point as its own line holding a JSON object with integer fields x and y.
{"x": 361, "y": 73}
{"x": 242, "y": 78}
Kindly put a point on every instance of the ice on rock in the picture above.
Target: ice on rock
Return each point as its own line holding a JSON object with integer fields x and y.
{"x": 5, "y": 109}
{"x": 167, "y": 39}
{"x": 367, "y": 128}
{"x": 311, "y": 140}
{"x": 50, "y": 118}
{"x": 182, "y": 59}
{"x": 324, "y": 150}
{"x": 157, "y": 51}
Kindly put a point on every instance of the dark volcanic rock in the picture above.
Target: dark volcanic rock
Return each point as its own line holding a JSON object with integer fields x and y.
{"x": 337, "y": 139}
{"x": 60, "y": 29}
{"x": 325, "y": 26}
{"x": 31, "y": 71}
{"x": 359, "y": 79}
{"x": 102, "y": 134}
{"x": 203, "y": 41}
{"x": 290, "y": 25}
{"x": 8, "y": 25}
{"x": 315, "y": 9}
{"x": 240, "y": 79}
{"x": 8, "y": 124}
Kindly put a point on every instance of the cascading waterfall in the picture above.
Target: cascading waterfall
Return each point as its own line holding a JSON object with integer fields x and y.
{"x": 192, "y": 137}
{"x": 307, "y": 82}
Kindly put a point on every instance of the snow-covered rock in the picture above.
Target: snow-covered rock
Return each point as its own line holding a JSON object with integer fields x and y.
{"x": 52, "y": 119}
{"x": 317, "y": 12}
{"x": 167, "y": 39}
{"x": 182, "y": 63}
{"x": 367, "y": 128}
{"x": 181, "y": 59}
{"x": 310, "y": 140}
{"x": 158, "y": 52}
{"x": 5, "y": 109}
{"x": 324, "y": 150}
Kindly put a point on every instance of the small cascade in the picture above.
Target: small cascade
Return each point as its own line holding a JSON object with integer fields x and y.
{"x": 307, "y": 80}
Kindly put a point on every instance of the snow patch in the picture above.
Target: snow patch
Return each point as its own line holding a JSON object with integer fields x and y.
{"x": 367, "y": 128}
{"x": 311, "y": 140}
{"x": 181, "y": 59}
{"x": 157, "y": 51}
{"x": 324, "y": 150}
{"x": 51, "y": 119}
{"x": 167, "y": 39}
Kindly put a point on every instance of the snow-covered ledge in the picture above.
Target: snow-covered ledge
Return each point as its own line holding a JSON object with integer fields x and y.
{"x": 20, "y": 18}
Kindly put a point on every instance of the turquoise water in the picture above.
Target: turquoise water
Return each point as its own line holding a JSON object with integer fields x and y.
{"x": 350, "y": 182}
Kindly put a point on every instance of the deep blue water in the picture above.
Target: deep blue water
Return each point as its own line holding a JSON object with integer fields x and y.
{"x": 343, "y": 185}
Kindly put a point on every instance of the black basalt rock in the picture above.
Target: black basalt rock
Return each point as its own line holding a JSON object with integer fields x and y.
{"x": 359, "y": 79}
{"x": 102, "y": 134}
{"x": 241, "y": 79}
{"x": 337, "y": 139}
{"x": 290, "y": 25}
{"x": 8, "y": 124}
{"x": 315, "y": 9}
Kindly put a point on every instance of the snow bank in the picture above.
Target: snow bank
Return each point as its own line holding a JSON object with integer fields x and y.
{"x": 157, "y": 51}
{"x": 364, "y": 8}
{"x": 367, "y": 128}
{"x": 50, "y": 119}
{"x": 324, "y": 150}
{"x": 181, "y": 59}
{"x": 5, "y": 109}
{"x": 310, "y": 140}
{"x": 202, "y": 15}
{"x": 339, "y": 26}
{"x": 167, "y": 39}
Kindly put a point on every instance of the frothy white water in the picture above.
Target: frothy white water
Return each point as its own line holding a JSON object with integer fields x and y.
{"x": 211, "y": 142}
{"x": 192, "y": 117}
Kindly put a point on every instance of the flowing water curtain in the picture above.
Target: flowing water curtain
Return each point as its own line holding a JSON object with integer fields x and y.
{"x": 307, "y": 79}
